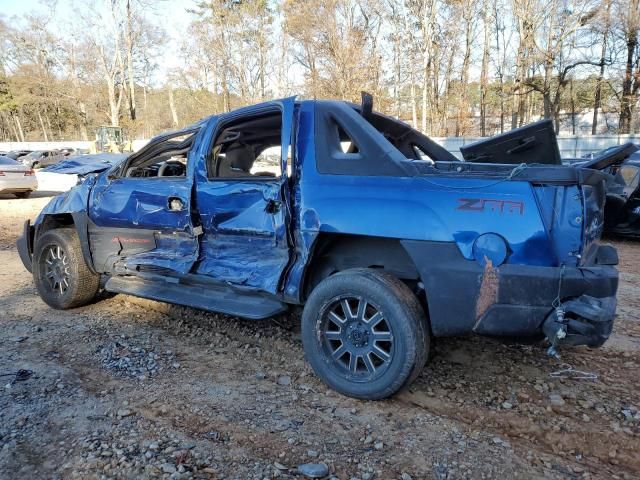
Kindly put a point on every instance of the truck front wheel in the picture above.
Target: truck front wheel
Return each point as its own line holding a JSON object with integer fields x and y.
{"x": 60, "y": 273}
{"x": 364, "y": 333}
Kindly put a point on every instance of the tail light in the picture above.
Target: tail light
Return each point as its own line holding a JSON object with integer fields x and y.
{"x": 28, "y": 173}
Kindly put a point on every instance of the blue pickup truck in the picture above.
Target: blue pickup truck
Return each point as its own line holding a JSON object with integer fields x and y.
{"x": 381, "y": 237}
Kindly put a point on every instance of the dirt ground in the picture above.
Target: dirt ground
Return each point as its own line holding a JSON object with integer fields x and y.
{"x": 129, "y": 388}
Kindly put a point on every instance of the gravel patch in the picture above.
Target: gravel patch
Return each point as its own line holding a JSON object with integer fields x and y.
{"x": 128, "y": 359}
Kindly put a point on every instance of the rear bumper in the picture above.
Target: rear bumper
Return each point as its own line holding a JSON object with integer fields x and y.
{"x": 23, "y": 184}
{"x": 527, "y": 304}
{"x": 25, "y": 245}
{"x": 515, "y": 300}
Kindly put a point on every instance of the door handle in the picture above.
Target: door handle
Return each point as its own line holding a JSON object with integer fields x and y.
{"x": 175, "y": 204}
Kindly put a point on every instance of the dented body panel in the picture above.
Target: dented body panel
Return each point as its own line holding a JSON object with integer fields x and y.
{"x": 132, "y": 205}
{"x": 495, "y": 248}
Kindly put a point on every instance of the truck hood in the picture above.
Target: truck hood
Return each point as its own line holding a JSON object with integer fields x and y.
{"x": 85, "y": 164}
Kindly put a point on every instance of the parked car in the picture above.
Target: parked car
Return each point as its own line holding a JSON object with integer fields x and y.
{"x": 16, "y": 178}
{"x": 69, "y": 151}
{"x": 17, "y": 154}
{"x": 42, "y": 158}
{"x": 380, "y": 248}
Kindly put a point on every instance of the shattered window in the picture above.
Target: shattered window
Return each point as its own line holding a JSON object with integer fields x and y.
{"x": 165, "y": 158}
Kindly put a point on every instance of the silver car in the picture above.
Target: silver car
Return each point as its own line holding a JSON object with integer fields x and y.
{"x": 16, "y": 178}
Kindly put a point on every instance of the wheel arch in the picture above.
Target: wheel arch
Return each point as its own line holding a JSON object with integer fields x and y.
{"x": 78, "y": 221}
{"x": 333, "y": 253}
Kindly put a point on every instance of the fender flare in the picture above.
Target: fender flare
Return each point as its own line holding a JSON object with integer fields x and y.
{"x": 81, "y": 222}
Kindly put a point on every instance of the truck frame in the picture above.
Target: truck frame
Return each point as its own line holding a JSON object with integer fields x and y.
{"x": 382, "y": 237}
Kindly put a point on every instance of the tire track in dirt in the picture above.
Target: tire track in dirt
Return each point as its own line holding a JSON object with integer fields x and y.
{"x": 526, "y": 435}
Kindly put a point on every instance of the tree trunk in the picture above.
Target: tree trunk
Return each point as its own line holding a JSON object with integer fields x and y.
{"x": 16, "y": 119}
{"x": 444, "y": 121}
{"x": 226, "y": 100}
{"x": 46, "y": 117}
{"x": 463, "y": 108}
{"x": 573, "y": 108}
{"x": 44, "y": 130}
{"x": 603, "y": 53}
{"x": 414, "y": 109}
{"x": 429, "y": 12}
{"x": 555, "y": 105}
{"x": 524, "y": 45}
{"x": 114, "y": 111}
{"x": 598, "y": 93}
{"x": 397, "y": 71}
{"x": 9, "y": 120}
{"x": 546, "y": 103}
{"x": 282, "y": 63}
{"x": 425, "y": 87}
{"x": 172, "y": 107}
{"x": 501, "y": 54}
{"x": 412, "y": 74}
{"x": 82, "y": 107}
{"x": 262, "y": 67}
{"x": 484, "y": 72}
{"x": 627, "y": 101}
{"x": 549, "y": 60}
{"x": 130, "y": 72}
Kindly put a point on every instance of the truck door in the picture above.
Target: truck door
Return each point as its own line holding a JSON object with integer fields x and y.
{"x": 241, "y": 197}
{"x": 140, "y": 211}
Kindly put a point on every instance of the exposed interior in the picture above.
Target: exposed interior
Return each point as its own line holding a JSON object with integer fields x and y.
{"x": 249, "y": 147}
{"x": 165, "y": 159}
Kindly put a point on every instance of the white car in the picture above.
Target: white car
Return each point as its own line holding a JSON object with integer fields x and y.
{"x": 16, "y": 178}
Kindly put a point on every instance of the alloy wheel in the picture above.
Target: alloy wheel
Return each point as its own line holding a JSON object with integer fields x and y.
{"x": 357, "y": 338}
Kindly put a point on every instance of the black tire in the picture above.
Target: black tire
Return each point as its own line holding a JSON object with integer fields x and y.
{"x": 60, "y": 273}
{"x": 22, "y": 194}
{"x": 35, "y": 165}
{"x": 385, "y": 308}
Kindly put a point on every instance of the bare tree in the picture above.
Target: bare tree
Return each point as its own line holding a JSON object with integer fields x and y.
{"x": 597, "y": 100}
{"x": 468, "y": 15}
{"x": 629, "y": 15}
{"x": 484, "y": 72}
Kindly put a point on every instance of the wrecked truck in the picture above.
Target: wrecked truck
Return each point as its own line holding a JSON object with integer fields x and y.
{"x": 382, "y": 238}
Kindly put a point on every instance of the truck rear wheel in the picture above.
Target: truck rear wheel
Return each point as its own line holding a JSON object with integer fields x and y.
{"x": 365, "y": 333}
{"x": 60, "y": 273}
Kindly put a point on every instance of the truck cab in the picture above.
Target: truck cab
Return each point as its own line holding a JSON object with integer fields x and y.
{"x": 381, "y": 237}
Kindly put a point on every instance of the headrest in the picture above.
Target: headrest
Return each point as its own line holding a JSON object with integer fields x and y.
{"x": 240, "y": 156}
